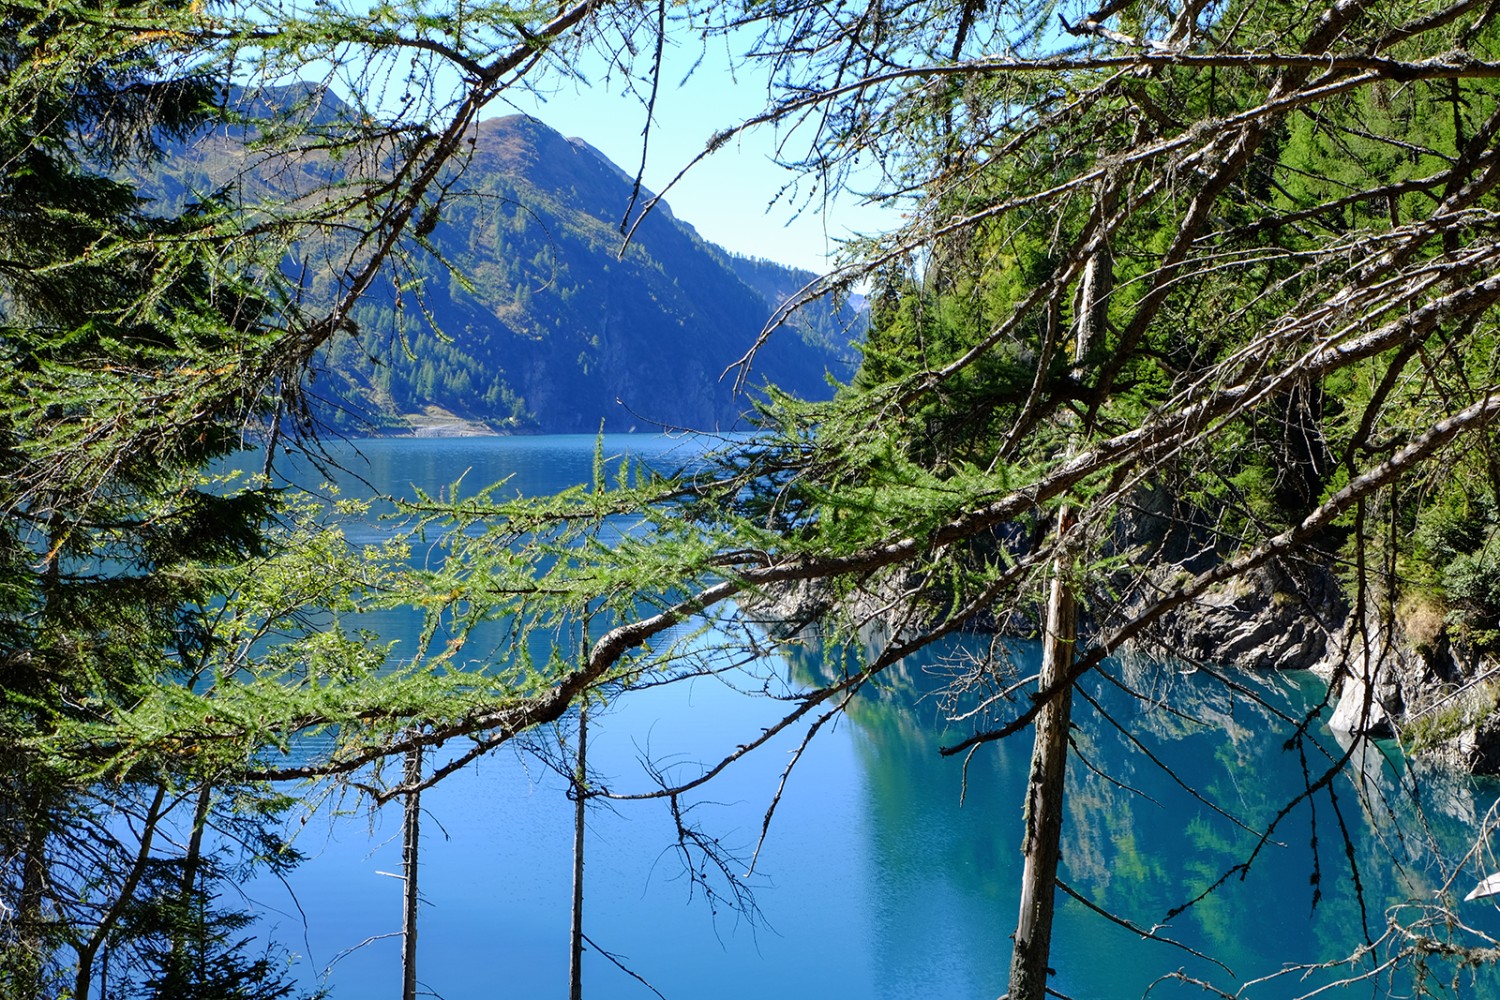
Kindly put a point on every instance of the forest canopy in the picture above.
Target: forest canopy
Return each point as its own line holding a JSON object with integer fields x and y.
{"x": 1193, "y": 310}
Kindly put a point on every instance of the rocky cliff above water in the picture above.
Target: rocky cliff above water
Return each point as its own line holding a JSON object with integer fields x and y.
{"x": 1384, "y": 680}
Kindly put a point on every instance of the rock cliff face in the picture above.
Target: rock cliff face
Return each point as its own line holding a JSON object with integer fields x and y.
{"x": 1439, "y": 701}
{"x": 1383, "y": 682}
{"x": 1284, "y": 615}
{"x": 1275, "y": 618}
{"x": 1390, "y": 671}
{"x": 1389, "y": 674}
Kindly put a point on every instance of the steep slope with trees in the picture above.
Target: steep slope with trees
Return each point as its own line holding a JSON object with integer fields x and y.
{"x": 525, "y": 309}
{"x": 541, "y": 317}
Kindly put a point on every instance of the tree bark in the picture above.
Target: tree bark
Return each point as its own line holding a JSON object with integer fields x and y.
{"x": 580, "y": 801}
{"x": 30, "y": 945}
{"x": 410, "y": 836}
{"x": 1041, "y": 844}
{"x": 188, "y": 942}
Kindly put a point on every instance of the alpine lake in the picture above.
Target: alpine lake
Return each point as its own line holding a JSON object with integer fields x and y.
{"x": 888, "y": 870}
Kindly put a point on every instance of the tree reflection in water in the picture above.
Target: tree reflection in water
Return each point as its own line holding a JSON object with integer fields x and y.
{"x": 1203, "y": 808}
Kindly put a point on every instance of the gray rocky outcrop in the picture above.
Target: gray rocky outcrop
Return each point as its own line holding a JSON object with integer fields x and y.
{"x": 1268, "y": 619}
{"x": 1389, "y": 676}
{"x": 1439, "y": 701}
{"x": 1391, "y": 673}
{"x": 1371, "y": 677}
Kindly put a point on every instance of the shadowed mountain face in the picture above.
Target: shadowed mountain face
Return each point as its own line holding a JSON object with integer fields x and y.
{"x": 539, "y": 322}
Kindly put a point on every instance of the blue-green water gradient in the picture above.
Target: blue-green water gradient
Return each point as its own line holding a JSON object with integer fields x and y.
{"x": 888, "y": 870}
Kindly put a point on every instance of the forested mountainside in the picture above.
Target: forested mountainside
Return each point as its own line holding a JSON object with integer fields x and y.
{"x": 518, "y": 309}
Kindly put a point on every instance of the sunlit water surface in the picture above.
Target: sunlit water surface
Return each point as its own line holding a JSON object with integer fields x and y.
{"x": 888, "y": 871}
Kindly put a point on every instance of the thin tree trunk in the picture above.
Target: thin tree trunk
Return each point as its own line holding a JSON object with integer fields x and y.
{"x": 194, "y": 858}
{"x": 37, "y": 820}
{"x": 1044, "y": 792}
{"x": 410, "y": 836}
{"x": 187, "y": 951}
{"x": 83, "y": 980}
{"x": 580, "y": 801}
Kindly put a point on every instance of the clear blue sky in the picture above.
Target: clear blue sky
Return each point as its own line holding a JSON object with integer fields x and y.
{"x": 732, "y": 197}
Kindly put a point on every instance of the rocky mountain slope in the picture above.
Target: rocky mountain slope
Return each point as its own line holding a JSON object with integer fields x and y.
{"x": 533, "y": 315}
{"x": 517, "y": 306}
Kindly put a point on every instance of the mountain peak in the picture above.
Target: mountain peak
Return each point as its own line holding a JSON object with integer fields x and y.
{"x": 534, "y": 315}
{"x": 550, "y": 161}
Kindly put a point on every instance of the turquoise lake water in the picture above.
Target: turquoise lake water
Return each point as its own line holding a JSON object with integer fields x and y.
{"x": 888, "y": 871}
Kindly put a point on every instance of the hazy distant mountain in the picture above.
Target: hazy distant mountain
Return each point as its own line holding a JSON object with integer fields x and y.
{"x": 538, "y": 322}
{"x": 557, "y": 331}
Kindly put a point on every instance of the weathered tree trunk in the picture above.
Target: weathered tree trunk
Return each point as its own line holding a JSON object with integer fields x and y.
{"x": 1091, "y": 311}
{"x": 27, "y": 960}
{"x": 410, "y": 837}
{"x": 1041, "y": 844}
{"x": 580, "y": 801}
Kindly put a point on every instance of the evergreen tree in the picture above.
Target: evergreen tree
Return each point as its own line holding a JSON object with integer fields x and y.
{"x": 129, "y": 361}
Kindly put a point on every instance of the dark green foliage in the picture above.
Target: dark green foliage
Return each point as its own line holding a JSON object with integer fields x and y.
{"x": 1456, "y": 558}
{"x": 188, "y": 946}
{"x": 987, "y": 353}
{"x": 133, "y": 350}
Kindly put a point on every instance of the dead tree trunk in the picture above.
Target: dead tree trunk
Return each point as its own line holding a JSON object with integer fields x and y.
{"x": 410, "y": 836}
{"x": 580, "y": 801}
{"x": 1041, "y": 844}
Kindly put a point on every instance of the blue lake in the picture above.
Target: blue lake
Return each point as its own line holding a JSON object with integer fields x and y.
{"x": 888, "y": 871}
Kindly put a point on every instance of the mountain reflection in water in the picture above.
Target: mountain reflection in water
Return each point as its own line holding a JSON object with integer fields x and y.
{"x": 889, "y": 871}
